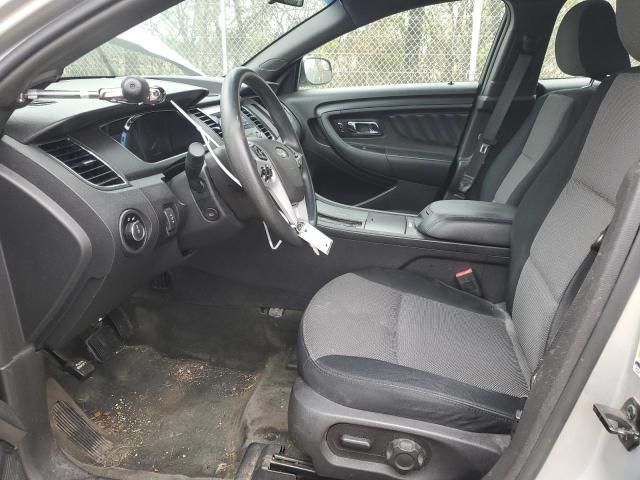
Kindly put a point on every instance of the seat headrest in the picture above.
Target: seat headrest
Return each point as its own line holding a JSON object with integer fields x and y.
{"x": 628, "y": 25}
{"x": 588, "y": 45}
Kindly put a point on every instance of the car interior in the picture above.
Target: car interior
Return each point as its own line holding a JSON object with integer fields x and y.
{"x": 246, "y": 277}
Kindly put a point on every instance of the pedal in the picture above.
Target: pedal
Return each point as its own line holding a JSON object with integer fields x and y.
{"x": 122, "y": 323}
{"x": 162, "y": 282}
{"x": 102, "y": 343}
{"x": 81, "y": 368}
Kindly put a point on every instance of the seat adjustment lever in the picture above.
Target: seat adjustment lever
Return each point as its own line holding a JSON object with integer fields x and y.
{"x": 623, "y": 422}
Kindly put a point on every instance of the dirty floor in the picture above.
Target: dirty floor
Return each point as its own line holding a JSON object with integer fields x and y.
{"x": 182, "y": 416}
{"x": 201, "y": 378}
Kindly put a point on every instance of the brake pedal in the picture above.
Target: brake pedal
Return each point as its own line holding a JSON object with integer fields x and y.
{"x": 122, "y": 323}
{"x": 102, "y": 343}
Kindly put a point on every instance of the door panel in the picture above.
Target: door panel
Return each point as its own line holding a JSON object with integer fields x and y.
{"x": 388, "y": 147}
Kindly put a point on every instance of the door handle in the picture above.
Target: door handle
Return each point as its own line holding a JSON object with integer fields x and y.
{"x": 364, "y": 128}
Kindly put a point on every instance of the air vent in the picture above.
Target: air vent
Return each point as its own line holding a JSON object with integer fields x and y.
{"x": 213, "y": 122}
{"x": 84, "y": 163}
{"x": 258, "y": 123}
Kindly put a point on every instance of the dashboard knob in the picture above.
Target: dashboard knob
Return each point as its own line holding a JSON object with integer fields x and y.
{"x": 135, "y": 232}
{"x": 135, "y": 89}
{"x": 405, "y": 455}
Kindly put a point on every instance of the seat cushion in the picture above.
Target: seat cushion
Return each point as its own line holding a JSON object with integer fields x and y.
{"x": 390, "y": 341}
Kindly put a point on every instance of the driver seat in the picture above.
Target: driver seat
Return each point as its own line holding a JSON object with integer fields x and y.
{"x": 405, "y": 377}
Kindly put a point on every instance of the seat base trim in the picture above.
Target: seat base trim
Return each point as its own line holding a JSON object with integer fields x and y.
{"x": 454, "y": 453}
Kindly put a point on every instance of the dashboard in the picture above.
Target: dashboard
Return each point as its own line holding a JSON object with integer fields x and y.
{"x": 153, "y": 136}
{"x": 102, "y": 201}
{"x": 165, "y": 134}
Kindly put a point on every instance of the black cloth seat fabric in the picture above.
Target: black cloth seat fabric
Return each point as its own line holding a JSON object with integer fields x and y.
{"x": 514, "y": 169}
{"x": 395, "y": 343}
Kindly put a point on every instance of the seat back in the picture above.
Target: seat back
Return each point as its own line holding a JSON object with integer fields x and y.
{"x": 553, "y": 232}
{"x": 551, "y": 123}
{"x": 582, "y": 49}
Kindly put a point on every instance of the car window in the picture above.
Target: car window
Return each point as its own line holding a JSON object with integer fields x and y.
{"x": 550, "y": 69}
{"x": 196, "y": 37}
{"x": 447, "y": 42}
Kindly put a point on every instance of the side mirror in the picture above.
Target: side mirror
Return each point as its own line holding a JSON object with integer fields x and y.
{"x": 315, "y": 71}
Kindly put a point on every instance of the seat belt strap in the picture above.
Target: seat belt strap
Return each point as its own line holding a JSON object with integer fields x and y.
{"x": 488, "y": 138}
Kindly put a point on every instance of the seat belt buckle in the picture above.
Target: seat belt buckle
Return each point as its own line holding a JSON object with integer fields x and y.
{"x": 484, "y": 145}
{"x": 468, "y": 282}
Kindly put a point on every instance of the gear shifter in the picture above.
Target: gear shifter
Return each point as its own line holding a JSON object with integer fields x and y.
{"x": 193, "y": 166}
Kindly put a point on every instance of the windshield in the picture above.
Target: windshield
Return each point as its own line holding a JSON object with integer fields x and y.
{"x": 196, "y": 37}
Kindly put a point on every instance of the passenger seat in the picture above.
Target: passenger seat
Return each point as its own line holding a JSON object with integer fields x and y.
{"x": 404, "y": 377}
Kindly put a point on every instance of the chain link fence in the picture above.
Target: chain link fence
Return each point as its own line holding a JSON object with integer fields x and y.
{"x": 446, "y": 42}
{"x": 439, "y": 43}
{"x": 206, "y": 36}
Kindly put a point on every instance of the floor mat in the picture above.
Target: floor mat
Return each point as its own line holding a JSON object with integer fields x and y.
{"x": 265, "y": 417}
{"x": 167, "y": 415}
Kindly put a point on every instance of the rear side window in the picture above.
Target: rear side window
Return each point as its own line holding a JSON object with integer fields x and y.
{"x": 550, "y": 69}
{"x": 447, "y": 42}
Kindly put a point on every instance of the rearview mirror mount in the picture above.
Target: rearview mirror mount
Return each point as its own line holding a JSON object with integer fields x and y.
{"x": 292, "y": 3}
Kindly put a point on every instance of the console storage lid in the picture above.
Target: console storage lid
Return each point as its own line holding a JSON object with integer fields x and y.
{"x": 468, "y": 221}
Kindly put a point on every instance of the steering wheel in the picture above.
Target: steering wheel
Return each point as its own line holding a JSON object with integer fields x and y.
{"x": 274, "y": 174}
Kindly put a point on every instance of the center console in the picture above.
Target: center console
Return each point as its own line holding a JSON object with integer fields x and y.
{"x": 454, "y": 241}
{"x": 468, "y": 221}
{"x": 442, "y": 226}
